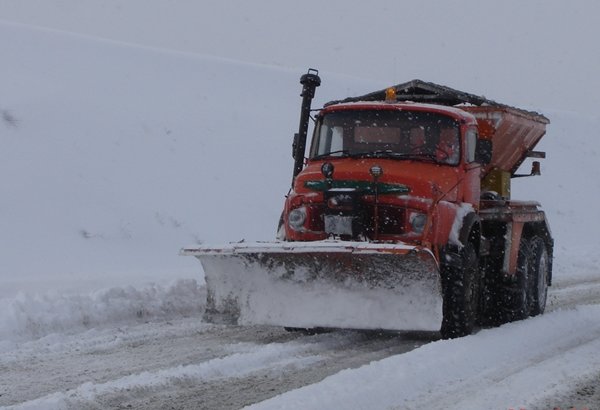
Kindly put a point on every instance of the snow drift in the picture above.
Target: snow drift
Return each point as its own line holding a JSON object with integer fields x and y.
{"x": 28, "y": 316}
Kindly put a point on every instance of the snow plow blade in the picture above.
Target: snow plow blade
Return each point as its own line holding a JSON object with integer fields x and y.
{"x": 332, "y": 284}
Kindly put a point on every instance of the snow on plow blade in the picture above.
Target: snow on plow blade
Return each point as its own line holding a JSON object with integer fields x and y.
{"x": 349, "y": 285}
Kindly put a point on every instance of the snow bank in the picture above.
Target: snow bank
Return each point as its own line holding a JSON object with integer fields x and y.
{"x": 27, "y": 316}
{"x": 510, "y": 367}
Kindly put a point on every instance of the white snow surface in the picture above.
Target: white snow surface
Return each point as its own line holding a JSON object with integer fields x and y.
{"x": 234, "y": 365}
{"x": 132, "y": 129}
{"x": 457, "y": 374}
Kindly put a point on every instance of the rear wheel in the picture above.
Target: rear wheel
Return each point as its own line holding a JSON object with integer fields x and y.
{"x": 461, "y": 295}
{"x": 539, "y": 270}
{"x": 516, "y": 297}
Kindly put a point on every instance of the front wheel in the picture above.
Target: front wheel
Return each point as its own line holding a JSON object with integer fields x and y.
{"x": 461, "y": 295}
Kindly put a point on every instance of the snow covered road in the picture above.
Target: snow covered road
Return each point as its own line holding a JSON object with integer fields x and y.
{"x": 184, "y": 363}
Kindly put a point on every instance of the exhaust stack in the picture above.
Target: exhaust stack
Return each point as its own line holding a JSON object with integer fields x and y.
{"x": 310, "y": 81}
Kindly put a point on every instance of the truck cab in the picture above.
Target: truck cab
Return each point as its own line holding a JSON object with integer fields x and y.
{"x": 386, "y": 171}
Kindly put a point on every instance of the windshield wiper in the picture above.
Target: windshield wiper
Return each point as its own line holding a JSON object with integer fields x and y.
{"x": 421, "y": 155}
{"x": 343, "y": 152}
{"x": 387, "y": 153}
{"x": 394, "y": 154}
{"x": 378, "y": 154}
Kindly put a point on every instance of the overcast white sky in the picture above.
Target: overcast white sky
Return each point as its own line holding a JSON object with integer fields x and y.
{"x": 541, "y": 54}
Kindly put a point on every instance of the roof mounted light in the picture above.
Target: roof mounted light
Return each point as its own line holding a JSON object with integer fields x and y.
{"x": 390, "y": 94}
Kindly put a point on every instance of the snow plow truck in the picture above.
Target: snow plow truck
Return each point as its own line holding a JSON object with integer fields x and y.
{"x": 399, "y": 217}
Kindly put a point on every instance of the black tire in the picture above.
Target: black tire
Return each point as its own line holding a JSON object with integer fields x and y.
{"x": 491, "y": 294}
{"x": 516, "y": 296}
{"x": 461, "y": 295}
{"x": 539, "y": 271}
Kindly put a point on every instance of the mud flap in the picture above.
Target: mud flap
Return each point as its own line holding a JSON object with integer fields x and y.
{"x": 352, "y": 285}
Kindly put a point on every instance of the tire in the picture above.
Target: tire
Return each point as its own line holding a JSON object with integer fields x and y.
{"x": 516, "y": 298}
{"x": 539, "y": 270}
{"x": 492, "y": 313}
{"x": 461, "y": 295}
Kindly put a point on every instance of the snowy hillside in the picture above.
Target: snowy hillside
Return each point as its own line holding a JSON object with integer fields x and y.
{"x": 118, "y": 151}
{"x": 116, "y": 156}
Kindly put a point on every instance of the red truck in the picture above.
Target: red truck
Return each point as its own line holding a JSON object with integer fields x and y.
{"x": 399, "y": 218}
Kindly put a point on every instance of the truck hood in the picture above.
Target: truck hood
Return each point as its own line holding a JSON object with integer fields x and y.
{"x": 400, "y": 177}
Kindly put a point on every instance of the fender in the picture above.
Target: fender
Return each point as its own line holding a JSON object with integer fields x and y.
{"x": 468, "y": 226}
{"x": 470, "y": 230}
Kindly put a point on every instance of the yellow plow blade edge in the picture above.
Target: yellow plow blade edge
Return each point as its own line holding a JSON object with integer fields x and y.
{"x": 336, "y": 284}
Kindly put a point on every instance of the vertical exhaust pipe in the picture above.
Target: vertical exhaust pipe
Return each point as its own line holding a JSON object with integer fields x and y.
{"x": 310, "y": 81}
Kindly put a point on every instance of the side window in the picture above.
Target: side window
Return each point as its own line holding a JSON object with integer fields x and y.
{"x": 337, "y": 139}
{"x": 471, "y": 144}
{"x": 332, "y": 139}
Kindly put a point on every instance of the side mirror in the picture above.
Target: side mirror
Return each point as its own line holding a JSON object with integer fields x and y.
{"x": 483, "y": 152}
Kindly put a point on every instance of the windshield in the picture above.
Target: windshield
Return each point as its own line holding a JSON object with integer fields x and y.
{"x": 387, "y": 133}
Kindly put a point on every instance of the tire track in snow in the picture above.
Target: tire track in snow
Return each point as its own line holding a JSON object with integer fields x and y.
{"x": 358, "y": 349}
{"x": 569, "y": 293}
{"x": 147, "y": 362}
{"x": 542, "y": 380}
{"x": 62, "y": 362}
{"x": 274, "y": 355}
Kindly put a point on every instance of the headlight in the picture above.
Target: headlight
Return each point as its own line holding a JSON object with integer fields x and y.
{"x": 296, "y": 218}
{"x": 417, "y": 221}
